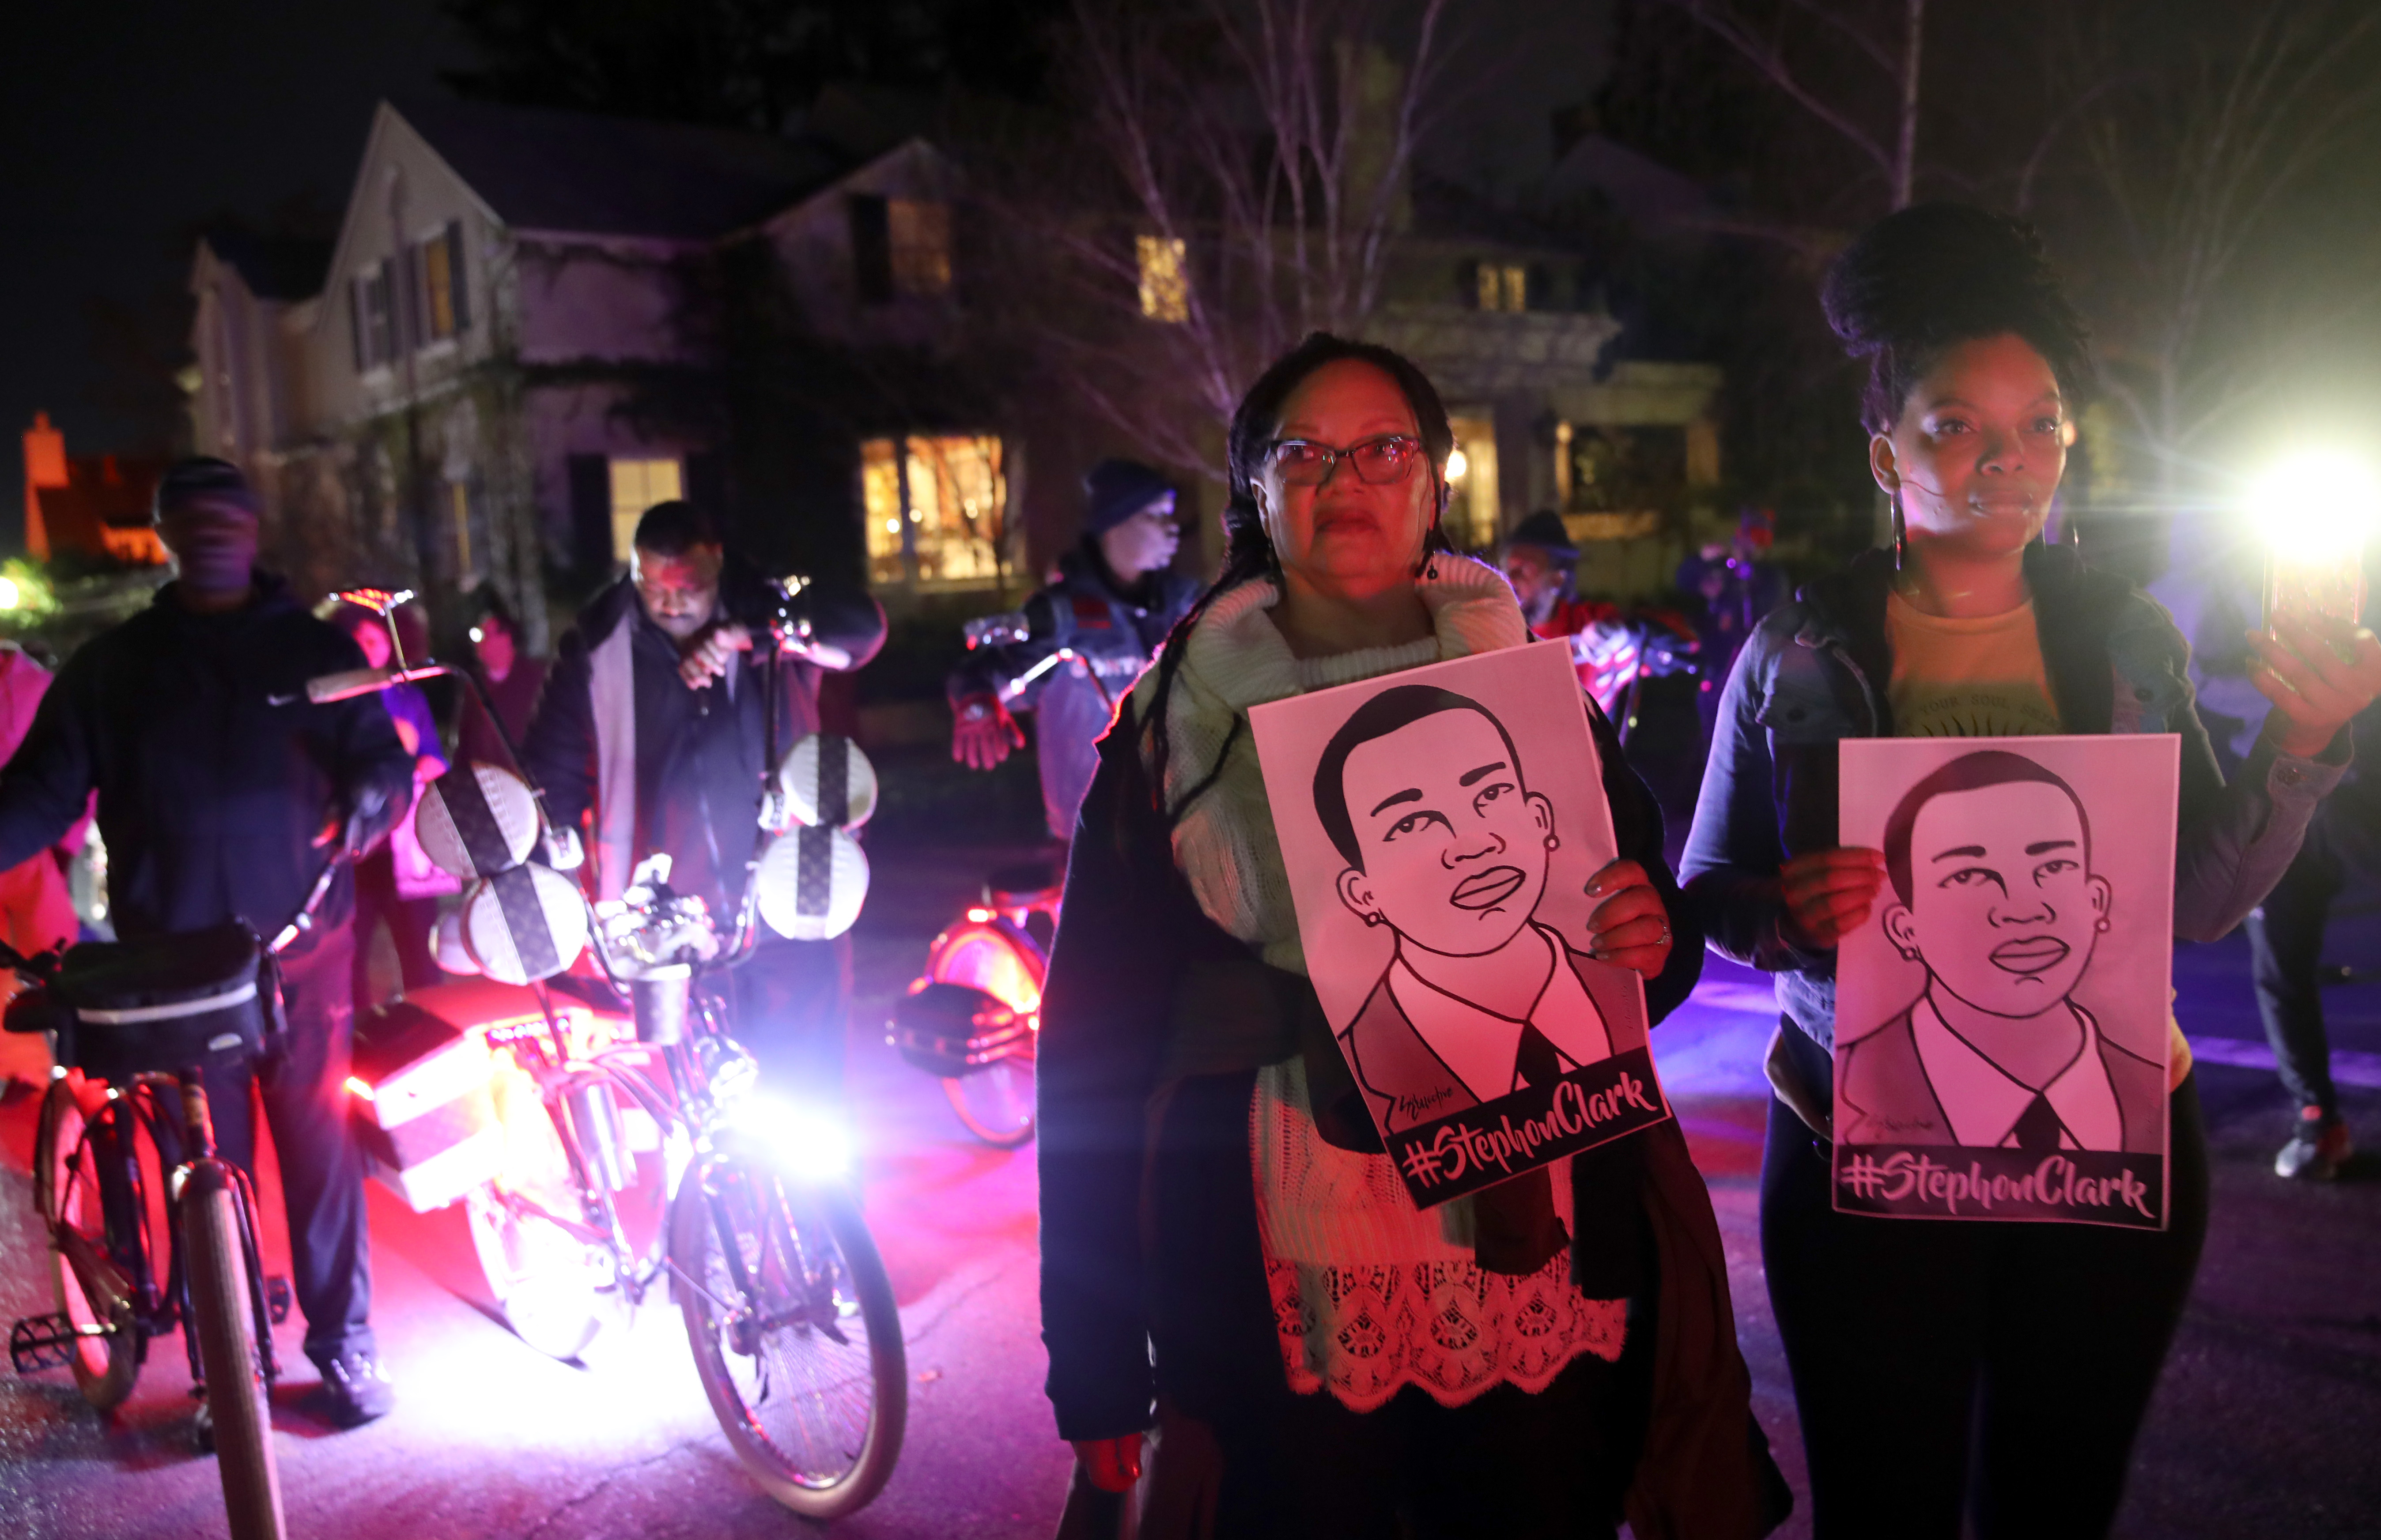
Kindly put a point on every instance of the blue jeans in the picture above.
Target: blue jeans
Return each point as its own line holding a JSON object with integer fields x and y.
{"x": 2285, "y": 950}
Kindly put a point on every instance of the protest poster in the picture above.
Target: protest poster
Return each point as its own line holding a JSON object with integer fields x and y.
{"x": 1439, "y": 827}
{"x": 2002, "y": 1020}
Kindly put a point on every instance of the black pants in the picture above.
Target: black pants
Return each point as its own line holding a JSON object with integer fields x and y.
{"x": 2285, "y": 951}
{"x": 410, "y": 921}
{"x": 793, "y": 1006}
{"x": 1998, "y": 1368}
{"x": 1511, "y": 1465}
{"x": 304, "y": 1091}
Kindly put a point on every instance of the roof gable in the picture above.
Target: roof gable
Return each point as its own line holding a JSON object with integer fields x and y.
{"x": 577, "y": 173}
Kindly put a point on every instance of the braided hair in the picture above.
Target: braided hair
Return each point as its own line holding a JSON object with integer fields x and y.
{"x": 1929, "y": 278}
{"x": 1248, "y": 555}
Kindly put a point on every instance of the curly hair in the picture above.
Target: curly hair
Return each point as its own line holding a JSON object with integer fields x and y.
{"x": 1929, "y": 278}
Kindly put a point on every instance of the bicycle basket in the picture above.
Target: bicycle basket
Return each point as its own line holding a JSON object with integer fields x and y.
{"x": 165, "y": 1003}
{"x": 950, "y": 1030}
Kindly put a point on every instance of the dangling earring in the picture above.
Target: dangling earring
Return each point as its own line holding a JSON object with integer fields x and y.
{"x": 1900, "y": 536}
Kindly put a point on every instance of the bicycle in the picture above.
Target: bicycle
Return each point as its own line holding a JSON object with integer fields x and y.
{"x": 973, "y": 1018}
{"x": 134, "y": 1027}
{"x": 786, "y": 1301}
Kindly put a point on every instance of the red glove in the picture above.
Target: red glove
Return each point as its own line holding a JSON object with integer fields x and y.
{"x": 1114, "y": 1464}
{"x": 982, "y": 733}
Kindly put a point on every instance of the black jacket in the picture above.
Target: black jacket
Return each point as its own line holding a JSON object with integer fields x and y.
{"x": 214, "y": 773}
{"x": 1117, "y": 629}
{"x": 699, "y": 752}
{"x": 1153, "y": 1272}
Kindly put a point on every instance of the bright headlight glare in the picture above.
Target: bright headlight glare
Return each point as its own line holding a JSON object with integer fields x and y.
{"x": 2317, "y": 505}
{"x": 803, "y": 1142}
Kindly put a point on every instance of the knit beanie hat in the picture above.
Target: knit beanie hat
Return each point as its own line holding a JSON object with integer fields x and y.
{"x": 1116, "y": 490}
{"x": 202, "y": 478}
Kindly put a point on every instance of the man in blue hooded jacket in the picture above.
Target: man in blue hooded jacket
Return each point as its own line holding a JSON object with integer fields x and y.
{"x": 1114, "y": 599}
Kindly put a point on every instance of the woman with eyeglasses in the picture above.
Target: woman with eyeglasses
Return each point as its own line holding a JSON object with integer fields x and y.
{"x": 1227, "y": 1254}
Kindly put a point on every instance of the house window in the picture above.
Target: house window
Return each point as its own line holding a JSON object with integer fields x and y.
{"x": 935, "y": 509}
{"x": 1472, "y": 503}
{"x": 375, "y": 319}
{"x": 459, "y": 497}
{"x": 445, "y": 301}
{"x": 1637, "y": 472}
{"x": 919, "y": 236}
{"x": 638, "y": 484}
{"x": 1164, "y": 286}
{"x": 1504, "y": 287}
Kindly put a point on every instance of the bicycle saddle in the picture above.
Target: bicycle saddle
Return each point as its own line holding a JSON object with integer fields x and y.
{"x": 1022, "y": 886}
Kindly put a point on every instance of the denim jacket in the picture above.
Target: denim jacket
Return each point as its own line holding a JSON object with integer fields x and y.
{"x": 1815, "y": 672}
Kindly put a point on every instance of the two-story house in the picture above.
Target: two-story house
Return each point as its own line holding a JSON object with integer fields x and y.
{"x": 534, "y": 324}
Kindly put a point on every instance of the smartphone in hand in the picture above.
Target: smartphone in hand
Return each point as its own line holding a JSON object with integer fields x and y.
{"x": 2300, "y": 588}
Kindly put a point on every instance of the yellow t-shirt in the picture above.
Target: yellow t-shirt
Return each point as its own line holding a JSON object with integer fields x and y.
{"x": 1981, "y": 677}
{"x": 1978, "y": 678}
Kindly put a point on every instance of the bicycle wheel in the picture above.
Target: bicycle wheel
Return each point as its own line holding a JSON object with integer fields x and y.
{"x": 556, "y": 1291}
{"x": 996, "y": 1102}
{"x": 800, "y": 1347}
{"x": 223, "y": 1315}
{"x": 76, "y": 1166}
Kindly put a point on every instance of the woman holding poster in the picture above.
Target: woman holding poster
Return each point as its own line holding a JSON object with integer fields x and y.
{"x": 1226, "y": 1252}
{"x": 2026, "y": 1350}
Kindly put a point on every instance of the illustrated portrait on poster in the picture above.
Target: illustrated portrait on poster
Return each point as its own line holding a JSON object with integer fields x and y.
{"x": 2002, "y": 1034}
{"x": 1439, "y": 828}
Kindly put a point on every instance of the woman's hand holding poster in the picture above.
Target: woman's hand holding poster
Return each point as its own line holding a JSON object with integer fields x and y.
{"x": 2001, "y": 1021}
{"x": 1439, "y": 827}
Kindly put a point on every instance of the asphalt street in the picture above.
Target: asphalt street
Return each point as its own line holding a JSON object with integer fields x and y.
{"x": 2265, "y": 1425}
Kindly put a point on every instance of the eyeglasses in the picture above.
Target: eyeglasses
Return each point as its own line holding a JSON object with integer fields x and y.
{"x": 1378, "y": 461}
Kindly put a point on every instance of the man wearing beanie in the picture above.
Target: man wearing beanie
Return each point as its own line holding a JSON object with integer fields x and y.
{"x": 1115, "y": 600}
{"x": 223, "y": 791}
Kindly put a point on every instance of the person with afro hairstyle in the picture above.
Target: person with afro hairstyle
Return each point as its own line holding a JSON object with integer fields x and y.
{"x": 1995, "y": 1371}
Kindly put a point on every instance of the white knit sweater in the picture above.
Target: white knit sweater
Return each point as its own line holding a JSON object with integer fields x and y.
{"x": 1236, "y": 658}
{"x": 1369, "y": 1294}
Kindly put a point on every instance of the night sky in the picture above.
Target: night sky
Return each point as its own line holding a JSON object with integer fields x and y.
{"x": 126, "y": 128}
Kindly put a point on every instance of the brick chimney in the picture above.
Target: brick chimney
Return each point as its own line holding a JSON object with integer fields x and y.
{"x": 46, "y": 465}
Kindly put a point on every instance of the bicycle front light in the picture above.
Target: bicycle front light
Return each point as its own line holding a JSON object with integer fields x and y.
{"x": 802, "y": 1142}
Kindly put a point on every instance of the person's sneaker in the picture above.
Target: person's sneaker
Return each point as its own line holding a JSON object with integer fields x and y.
{"x": 2318, "y": 1150}
{"x": 357, "y": 1388}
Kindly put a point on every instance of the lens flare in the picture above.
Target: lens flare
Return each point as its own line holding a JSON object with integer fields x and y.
{"x": 2317, "y": 505}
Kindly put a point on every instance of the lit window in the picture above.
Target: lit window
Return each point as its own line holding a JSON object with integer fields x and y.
{"x": 638, "y": 484}
{"x": 1504, "y": 287}
{"x": 1164, "y": 286}
{"x": 933, "y": 509}
{"x": 1472, "y": 505}
{"x": 445, "y": 302}
{"x": 460, "y": 496}
{"x": 920, "y": 237}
